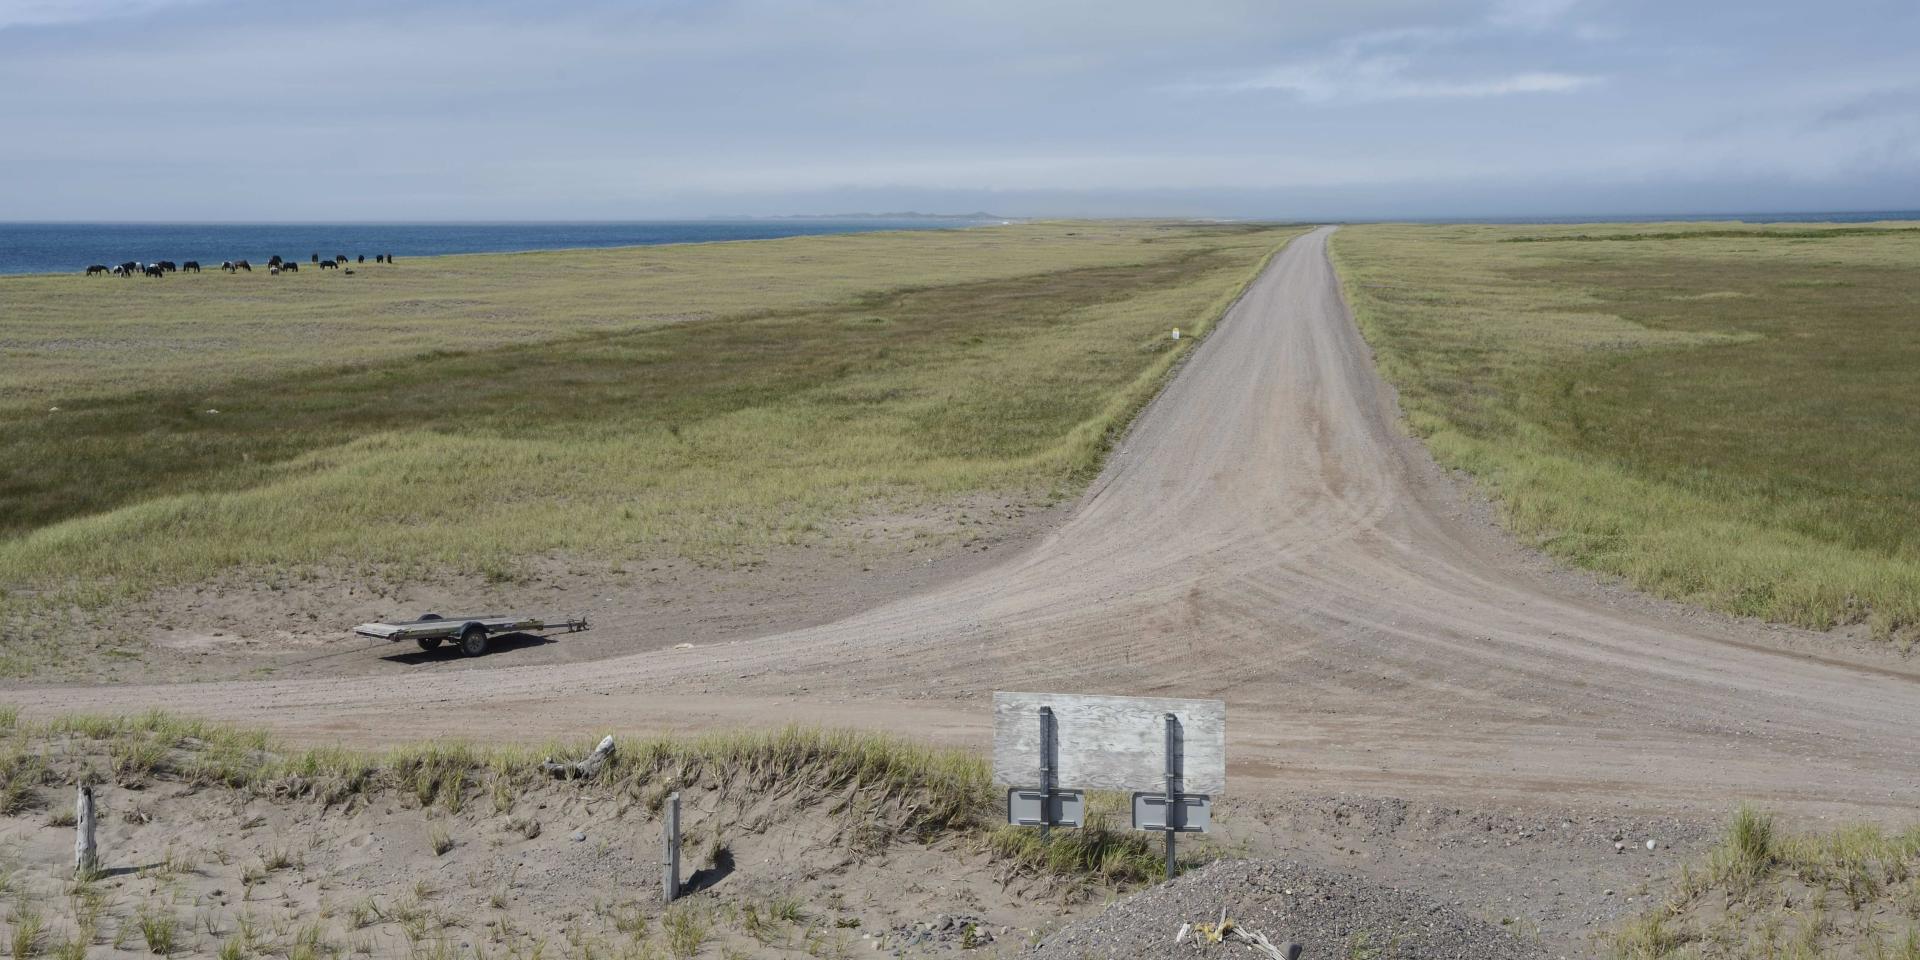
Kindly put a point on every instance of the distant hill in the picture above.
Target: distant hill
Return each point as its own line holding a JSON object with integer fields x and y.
{"x": 905, "y": 215}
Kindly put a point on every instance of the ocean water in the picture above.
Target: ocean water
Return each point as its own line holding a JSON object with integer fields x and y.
{"x": 71, "y": 247}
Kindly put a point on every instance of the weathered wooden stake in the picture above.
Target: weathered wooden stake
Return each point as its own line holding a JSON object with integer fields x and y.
{"x": 86, "y": 856}
{"x": 670, "y": 884}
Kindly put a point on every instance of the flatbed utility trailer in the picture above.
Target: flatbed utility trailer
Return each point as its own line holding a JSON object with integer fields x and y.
{"x": 470, "y": 633}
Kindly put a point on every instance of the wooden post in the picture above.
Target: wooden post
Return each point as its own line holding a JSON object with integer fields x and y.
{"x": 670, "y": 883}
{"x": 86, "y": 856}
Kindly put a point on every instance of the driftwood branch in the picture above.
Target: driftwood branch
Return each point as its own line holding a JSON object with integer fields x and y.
{"x": 583, "y": 768}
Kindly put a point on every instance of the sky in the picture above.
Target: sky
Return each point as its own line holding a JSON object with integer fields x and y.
{"x": 205, "y": 110}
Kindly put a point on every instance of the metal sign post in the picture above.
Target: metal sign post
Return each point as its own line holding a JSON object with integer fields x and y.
{"x": 1046, "y": 806}
{"x": 1046, "y": 772}
{"x": 1173, "y": 786}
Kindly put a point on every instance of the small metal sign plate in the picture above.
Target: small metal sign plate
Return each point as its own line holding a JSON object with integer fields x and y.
{"x": 1192, "y": 813}
{"x": 1024, "y": 808}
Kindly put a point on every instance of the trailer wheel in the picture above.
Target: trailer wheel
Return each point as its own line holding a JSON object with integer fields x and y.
{"x": 473, "y": 640}
{"x": 428, "y": 644}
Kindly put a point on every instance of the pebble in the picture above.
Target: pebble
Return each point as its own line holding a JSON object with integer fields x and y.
{"x": 579, "y": 835}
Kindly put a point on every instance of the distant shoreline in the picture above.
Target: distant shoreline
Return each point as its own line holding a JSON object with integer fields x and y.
{"x": 40, "y": 248}
{"x": 32, "y": 248}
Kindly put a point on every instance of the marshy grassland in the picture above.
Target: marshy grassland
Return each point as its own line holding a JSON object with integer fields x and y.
{"x": 465, "y": 413}
{"x": 1723, "y": 414}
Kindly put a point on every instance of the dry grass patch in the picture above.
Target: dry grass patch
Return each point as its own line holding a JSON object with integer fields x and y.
{"x": 1766, "y": 892}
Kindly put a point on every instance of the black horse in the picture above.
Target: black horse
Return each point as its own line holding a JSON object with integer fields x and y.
{"x": 289, "y": 266}
{"x": 316, "y": 258}
{"x": 168, "y": 265}
{"x": 362, "y": 258}
{"x": 153, "y": 270}
{"x": 339, "y": 258}
{"x": 193, "y": 265}
{"x": 96, "y": 270}
{"x": 129, "y": 268}
{"x": 329, "y": 265}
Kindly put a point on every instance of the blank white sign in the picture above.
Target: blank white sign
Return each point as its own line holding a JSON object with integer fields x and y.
{"x": 1110, "y": 743}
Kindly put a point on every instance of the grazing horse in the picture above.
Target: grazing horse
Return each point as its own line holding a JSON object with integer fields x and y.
{"x": 96, "y": 270}
{"x": 339, "y": 258}
{"x": 193, "y": 265}
{"x": 275, "y": 261}
{"x": 329, "y": 265}
{"x": 289, "y": 266}
{"x": 168, "y": 265}
{"x": 129, "y": 268}
{"x": 362, "y": 258}
{"x": 153, "y": 270}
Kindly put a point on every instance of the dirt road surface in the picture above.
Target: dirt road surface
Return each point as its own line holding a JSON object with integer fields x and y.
{"x": 1267, "y": 536}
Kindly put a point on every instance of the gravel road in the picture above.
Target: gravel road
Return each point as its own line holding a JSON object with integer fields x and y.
{"x": 1267, "y": 536}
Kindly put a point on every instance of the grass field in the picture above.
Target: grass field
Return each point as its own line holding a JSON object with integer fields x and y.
{"x": 1721, "y": 414}
{"x": 467, "y": 412}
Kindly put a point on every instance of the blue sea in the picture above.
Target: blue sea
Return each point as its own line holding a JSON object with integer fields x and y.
{"x": 71, "y": 247}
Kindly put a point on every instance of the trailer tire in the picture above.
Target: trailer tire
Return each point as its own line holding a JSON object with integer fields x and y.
{"x": 428, "y": 644}
{"x": 473, "y": 640}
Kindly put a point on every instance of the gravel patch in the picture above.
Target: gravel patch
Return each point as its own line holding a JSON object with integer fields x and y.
{"x": 1333, "y": 915}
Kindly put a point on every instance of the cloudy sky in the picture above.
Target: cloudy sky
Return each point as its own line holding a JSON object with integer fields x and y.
{"x": 398, "y": 110}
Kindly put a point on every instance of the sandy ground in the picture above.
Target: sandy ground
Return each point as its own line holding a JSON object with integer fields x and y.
{"x": 1411, "y": 696}
{"x": 298, "y": 626}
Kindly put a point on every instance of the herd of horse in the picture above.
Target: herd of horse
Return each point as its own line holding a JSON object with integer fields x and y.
{"x": 276, "y": 266}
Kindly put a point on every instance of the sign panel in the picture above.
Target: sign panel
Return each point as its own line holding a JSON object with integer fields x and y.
{"x": 1024, "y": 807}
{"x": 1111, "y": 743}
{"x": 1191, "y": 814}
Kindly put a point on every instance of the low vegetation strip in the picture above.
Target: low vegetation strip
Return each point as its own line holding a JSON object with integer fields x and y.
{"x": 1853, "y": 891}
{"x": 1719, "y": 416}
{"x": 223, "y": 839}
{"x": 705, "y": 439}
